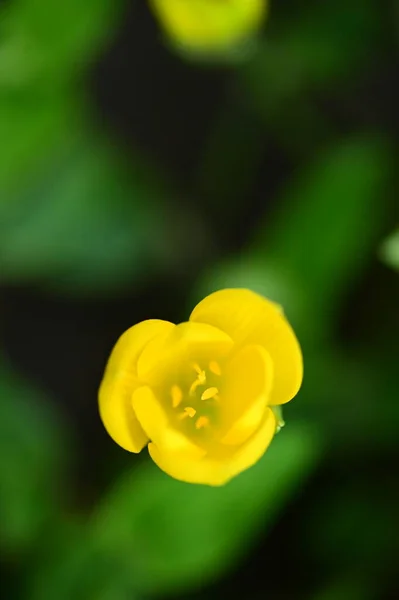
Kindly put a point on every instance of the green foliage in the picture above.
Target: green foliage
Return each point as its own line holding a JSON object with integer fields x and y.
{"x": 43, "y": 43}
{"x": 352, "y": 511}
{"x": 78, "y": 215}
{"x": 88, "y": 221}
{"x": 31, "y": 454}
{"x": 346, "y": 587}
{"x": 331, "y": 215}
{"x": 175, "y": 535}
{"x": 390, "y": 250}
{"x": 30, "y": 127}
{"x": 75, "y": 568}
{"x": 311, "y": 49}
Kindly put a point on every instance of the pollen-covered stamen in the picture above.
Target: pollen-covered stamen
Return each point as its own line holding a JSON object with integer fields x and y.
{"x": 198, "y": 369}
{"x": 214, "y": 367}
{"x": 200, "y": 380}
{"x": 177, "y": 395}
{"x": 202, "y": 422}
{"x": 189, "y": 411}
{"x": 210, "y": 393}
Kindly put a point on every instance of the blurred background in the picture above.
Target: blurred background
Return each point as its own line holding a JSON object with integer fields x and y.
{"x": 136, "y": 176}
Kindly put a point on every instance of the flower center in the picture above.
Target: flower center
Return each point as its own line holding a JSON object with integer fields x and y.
{"x": 198, "y": 403}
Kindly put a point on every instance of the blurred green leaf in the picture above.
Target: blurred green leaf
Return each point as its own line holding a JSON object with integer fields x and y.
{"x": 175, "y": 535}
{"x": 318, "y": 45}
{"x": 88, "y": 221}
{"x": 264, "y": 276}
{"x": 331, "y": 217}
{"x": 310, "y": 50}
{"x": 32, "y": 451}
{"x": 347, "y": 587}
{"x": 43, "y": 49}
{"x": 44, "y": 43}
{"x": 389, "y": 251}
{"x": 355, "y": 510}
{"x": 30, "y": 127}
{"x": 363, "y": 408}
{"x": 70, "y": 567}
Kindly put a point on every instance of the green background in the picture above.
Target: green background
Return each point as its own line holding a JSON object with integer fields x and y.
{"x": 134, "y": 180}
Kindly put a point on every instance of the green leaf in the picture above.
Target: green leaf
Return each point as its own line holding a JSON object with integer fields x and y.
{"x": 87, "y": 221}
{"x": 365, "y": 411}
{"x": 31, "y": 125}
{"x": 264, "y": 276}
{"x": 32, "y": 451}
{"x": 331, "y": 217}
{"x": 175, "y": 535}
{"x": 44, "y": 44}
{"x": 389, "y": 251}
{"x": 348, "y": 586}
{"x": 71, "y": 567}
{"x": 352, "y": 510}
{"x": 318, "y": 45}
{"x": 305, "y": 52}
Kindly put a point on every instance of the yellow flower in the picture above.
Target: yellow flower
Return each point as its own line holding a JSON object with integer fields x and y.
{"x": 202, "y": 393}
{"x": 207, "y": 25}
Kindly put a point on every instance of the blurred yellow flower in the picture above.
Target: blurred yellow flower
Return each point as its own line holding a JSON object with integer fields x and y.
{"x": 202, "y": 393}
{"x": 209, "y": 25}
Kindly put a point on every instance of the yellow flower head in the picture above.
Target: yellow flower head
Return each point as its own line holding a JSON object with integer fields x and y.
{"x": 209, "y": 25}
{"x": 201, "y": 394}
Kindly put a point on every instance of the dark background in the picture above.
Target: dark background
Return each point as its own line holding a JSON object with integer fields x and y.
{"x": 135, "y": 180}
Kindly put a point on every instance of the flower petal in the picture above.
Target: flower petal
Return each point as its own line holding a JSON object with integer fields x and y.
{"x": 179, "y": 466}
{"x": 119, "y": 382}
{"x": 248, "y": 318}
{"x": 255, "y": 447}
{"x": 216, "y": 471}
{"x": 165, "y": 355}
{"x": 249, "y": 379}
{"x": 155, "y": 423}
{"x": 206, "y": 24}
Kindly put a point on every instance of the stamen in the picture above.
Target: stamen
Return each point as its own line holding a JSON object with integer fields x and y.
{"x": 201, "y": 379}
{"x": 197, "y": 368}
{"x": 177, "y": 395}
{"x": 209, "y": 393}
{"x": 193, "y": 387}
{"x": 201, "y": 422}
{"x": 214, "y": 367}
{"x": 189, "y": 411}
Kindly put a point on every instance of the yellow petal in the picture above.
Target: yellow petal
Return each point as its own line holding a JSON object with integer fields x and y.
{"x": 255, "y": 447}
{"x": 248, "y": 318}
{"x": 216, "y": 471}
{"x": 119, "y": 382}
{"x": 207, "y": 24}
{"x": 154, "y": 421}
{"x": 166, "y": 355}
{"x": 249, "y": 379}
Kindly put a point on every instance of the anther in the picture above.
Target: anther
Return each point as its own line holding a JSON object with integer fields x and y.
{"x": 214, "y": 367}
{"x": 201, "y": 379}
{"x": 201, "y": 422}
{"x": 177, "y": 395}
{"x": 209, "y": 393}
{"x": 189, "y": 411}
